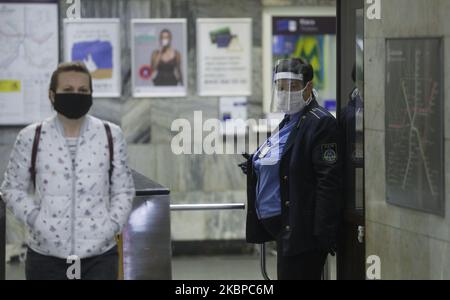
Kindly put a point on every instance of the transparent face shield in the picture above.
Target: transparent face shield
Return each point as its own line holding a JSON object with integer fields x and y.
{"x": 287, "y": 93}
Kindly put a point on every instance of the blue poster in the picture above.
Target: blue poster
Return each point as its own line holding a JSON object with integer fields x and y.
{"x": 97, "y": 55}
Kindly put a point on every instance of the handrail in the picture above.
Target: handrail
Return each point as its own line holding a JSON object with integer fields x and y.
{"x": 152, "y": 192}
{"x": 218, "y": 206}
{"x": 263, "y": 262}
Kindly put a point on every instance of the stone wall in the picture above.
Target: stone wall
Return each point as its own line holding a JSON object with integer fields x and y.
{"x": 411, "y": 244}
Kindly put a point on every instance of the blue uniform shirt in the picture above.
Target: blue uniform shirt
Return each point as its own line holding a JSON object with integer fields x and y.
{"x": 266, "y": 163}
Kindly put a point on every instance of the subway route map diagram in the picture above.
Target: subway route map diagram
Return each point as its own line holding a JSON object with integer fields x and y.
{"x": 414, "y": 141}
{"x": 29, "y": 48}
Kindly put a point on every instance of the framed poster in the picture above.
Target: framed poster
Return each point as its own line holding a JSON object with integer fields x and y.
{"x": 305, "y": 32}
{"x": 159, "y": 57}
{"x": 224, "y": 63}
{"x": 414, "y": 120}
{"x": 29, "y": 47}
{"x": 96, "y": 42}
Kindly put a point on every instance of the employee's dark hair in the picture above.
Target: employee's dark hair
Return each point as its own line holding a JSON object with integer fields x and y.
{"x": 75, "y": 66}
{"x": 296, "y": 66}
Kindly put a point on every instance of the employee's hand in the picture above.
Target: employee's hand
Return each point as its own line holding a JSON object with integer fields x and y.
{"x": 243, "y": 165}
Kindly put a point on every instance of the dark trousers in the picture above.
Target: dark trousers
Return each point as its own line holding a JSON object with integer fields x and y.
{"x": 305, "y": 266}
{"x": 101, "y": 267}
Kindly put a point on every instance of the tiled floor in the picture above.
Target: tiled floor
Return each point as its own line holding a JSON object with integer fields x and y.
{"x": 237, "y": 267}
{"x": 222, "y": 267}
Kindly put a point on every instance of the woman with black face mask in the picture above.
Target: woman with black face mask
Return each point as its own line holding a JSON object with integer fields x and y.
{"x": 68, "y": 181}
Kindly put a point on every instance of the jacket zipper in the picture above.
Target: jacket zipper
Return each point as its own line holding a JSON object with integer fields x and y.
{"x": 74, "y": 187}
{"x": 73, "y": 218}
{"x": 73, "y": 212}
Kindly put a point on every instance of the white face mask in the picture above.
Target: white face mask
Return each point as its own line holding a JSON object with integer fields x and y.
{"x": 293, "y": 100}
{"x": 165, "y": 42}
{"x": 310, "y": 96}
{"x": 282, "y": 100}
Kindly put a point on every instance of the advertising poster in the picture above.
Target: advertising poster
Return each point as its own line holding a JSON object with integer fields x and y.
{"x": 314, "y": 40}
{"x": 29, "y": 55}
{"x": 96, "y": 42}
{"x": 159, "y": 57}
{"x": 224, "y": 63}
{"x": 302, "y": 32}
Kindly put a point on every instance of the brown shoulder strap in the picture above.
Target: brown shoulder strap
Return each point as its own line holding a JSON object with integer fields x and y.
{"x": 111, "y": 149}
{"x": 34, "y": 151}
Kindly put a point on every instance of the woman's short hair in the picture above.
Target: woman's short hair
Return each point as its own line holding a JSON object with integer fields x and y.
{"x": 165, "y": 30}
{"x": 75, "y": 66}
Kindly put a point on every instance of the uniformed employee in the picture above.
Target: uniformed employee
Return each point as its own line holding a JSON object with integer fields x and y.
{"x": 294, "y": 178}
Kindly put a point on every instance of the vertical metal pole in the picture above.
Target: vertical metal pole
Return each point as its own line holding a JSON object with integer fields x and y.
{"x": 119, "y": 240}
{"x": 263, "y": 262}
{"x": 326, "y": 271}
{"x": 2, "y": 238}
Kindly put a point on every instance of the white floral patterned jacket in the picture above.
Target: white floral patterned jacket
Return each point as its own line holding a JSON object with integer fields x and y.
{"x": 73, "y": 210}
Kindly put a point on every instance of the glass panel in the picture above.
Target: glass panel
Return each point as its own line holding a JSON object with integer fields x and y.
{"x": 358, "y": 157}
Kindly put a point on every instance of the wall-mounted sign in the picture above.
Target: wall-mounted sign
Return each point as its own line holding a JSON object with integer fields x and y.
{"x": 414, "y": 144}
{"x": 233, "y": 115}
{"x": 159, "y": 57}
{"x": 29, "y": 55}
{"x": 302, "y": 32}
{"x": 224, "y": 63}
{"x": 96, "y": 42}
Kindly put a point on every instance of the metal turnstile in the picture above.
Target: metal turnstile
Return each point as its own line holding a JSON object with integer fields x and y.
{"x": 146, "y": 242}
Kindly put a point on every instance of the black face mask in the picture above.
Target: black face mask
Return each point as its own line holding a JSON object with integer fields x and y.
{"x": 72, "y": 105}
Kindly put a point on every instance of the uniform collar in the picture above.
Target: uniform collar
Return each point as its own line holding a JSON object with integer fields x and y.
{"x": 302, "y": 116}
{"x": 289, "y": 117}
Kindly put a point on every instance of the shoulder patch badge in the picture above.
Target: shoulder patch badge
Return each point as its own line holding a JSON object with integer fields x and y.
{"x": 329, "y": 153}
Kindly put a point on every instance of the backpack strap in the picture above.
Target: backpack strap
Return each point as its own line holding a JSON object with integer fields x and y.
{"x": 34, "y": 151}
{"x": 111, "y": 149}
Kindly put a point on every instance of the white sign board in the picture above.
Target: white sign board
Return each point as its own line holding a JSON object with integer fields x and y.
{"x": 96, "y": 42}
{"x": 233, "y": 115}
{"x": 224, "y": 63}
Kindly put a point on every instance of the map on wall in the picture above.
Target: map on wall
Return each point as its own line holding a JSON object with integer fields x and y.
{"x": 414, "y": 124}
{"x": 29, "y": 55}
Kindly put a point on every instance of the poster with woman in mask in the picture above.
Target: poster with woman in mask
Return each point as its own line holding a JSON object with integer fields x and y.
{"x": 159, "y": 62}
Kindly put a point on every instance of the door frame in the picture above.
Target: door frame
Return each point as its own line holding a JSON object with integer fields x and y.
{"x": 345, "y": 265}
